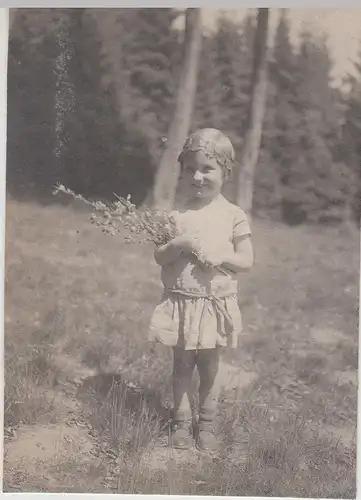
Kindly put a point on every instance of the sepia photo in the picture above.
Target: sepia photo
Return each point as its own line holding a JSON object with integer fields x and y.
{"x": 182, "y": 251}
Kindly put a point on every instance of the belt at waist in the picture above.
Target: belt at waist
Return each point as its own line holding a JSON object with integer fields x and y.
{"x": 215, "y": 298}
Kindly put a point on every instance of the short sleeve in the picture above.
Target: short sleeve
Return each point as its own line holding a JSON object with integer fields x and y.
{"x": 241, "y": 225}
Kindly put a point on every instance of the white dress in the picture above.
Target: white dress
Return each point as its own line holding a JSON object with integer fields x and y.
{"x": 199, "y": 308}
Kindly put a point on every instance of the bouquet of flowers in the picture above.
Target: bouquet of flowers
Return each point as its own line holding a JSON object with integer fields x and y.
{"x": 141, "y": 225}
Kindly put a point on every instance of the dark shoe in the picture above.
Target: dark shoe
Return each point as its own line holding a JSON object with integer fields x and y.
{"x": 181, "y": 437}
{"x": 206, "y": 439}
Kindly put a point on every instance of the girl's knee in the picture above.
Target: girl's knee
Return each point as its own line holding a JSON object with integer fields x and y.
{"x": 184, "y": 362}
{"x": 208, "y": 367}
{"x": 208, "y": 359}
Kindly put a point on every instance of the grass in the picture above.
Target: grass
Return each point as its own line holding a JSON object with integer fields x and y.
{"x": 72, "y": 291}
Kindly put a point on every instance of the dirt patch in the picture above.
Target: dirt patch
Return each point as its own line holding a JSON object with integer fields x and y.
{"x": 327, "y": 335}
{"x": 44, "y": 444}
{"x": 161, "y": 456}
{"x": 234, "y": 377}
{"x": 346, "y": 377}
{"x": 49, "y": 457}
{"x": 39, "y": 453}
{"x": 345, "y": 435}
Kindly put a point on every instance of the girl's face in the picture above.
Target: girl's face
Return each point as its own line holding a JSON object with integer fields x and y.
{"x": 201, "y": 177}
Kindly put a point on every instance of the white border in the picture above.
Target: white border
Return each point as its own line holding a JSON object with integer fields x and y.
{"x": 105, "y": 496}
{"x": 208, "y": 4}
{"x": 3, "y": 117}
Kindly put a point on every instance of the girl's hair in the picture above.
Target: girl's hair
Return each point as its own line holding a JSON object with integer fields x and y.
{"x": 214, "y": 144}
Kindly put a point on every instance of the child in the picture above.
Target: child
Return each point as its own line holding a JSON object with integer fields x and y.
{"x": 199, "y": 313}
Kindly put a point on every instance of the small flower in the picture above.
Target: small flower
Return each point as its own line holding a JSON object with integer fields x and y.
{"x": 141, "y": 225}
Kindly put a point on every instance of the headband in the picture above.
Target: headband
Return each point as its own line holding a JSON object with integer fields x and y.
{"x": 209, "y": 148}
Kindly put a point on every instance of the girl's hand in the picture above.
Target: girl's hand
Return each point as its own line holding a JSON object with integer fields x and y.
{"x": 211, "y": 259}
{"x": 187, "y": 244}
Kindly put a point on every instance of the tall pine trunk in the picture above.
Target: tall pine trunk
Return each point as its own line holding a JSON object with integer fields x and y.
{"x": 168, "y": 172}
{"x": 252, "y": 140}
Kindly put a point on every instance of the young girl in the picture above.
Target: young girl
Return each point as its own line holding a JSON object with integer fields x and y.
{"x": 199, "y": 313}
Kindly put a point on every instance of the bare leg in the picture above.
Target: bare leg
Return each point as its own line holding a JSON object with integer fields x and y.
{"x": 184, "y": 363}
{"x": 208, "y": 363}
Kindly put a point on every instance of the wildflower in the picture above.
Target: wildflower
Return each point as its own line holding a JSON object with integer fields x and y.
{"x": 143, "y": 225}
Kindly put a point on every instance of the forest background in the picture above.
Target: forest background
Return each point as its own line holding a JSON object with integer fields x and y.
{"x": 109, "y": 82}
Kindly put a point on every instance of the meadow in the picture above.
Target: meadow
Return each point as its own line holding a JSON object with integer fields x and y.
{"x": 87, "y": 398}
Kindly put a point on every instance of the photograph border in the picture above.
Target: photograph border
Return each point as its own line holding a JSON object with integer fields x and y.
{"x": 227, "y": 4}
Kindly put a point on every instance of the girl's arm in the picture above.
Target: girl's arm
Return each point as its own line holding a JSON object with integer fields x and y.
{"x": 166, "y": 254}
{"x": 242, "y": 258}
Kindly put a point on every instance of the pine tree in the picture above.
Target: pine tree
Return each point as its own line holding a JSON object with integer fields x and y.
{"x": 165, "y": 186}
{"x": 31, "y": 170}
{"x": 244, "y": 184}
{"x": 233, "y": 73}
{"x": 280, "y": 127}
{"x": 224, "y": 77}
{"x": 106, "y": 155}
{"x": 317, "y": 184}
{"x": 151, "y": 58}
{"x": 351, "y": 136}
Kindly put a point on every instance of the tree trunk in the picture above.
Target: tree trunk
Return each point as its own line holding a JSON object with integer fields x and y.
{"x": 252, "y": 140}
{"x": 168, "y": 172}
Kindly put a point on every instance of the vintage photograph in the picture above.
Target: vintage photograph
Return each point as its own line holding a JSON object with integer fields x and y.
{"x": 182, "y": 259}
